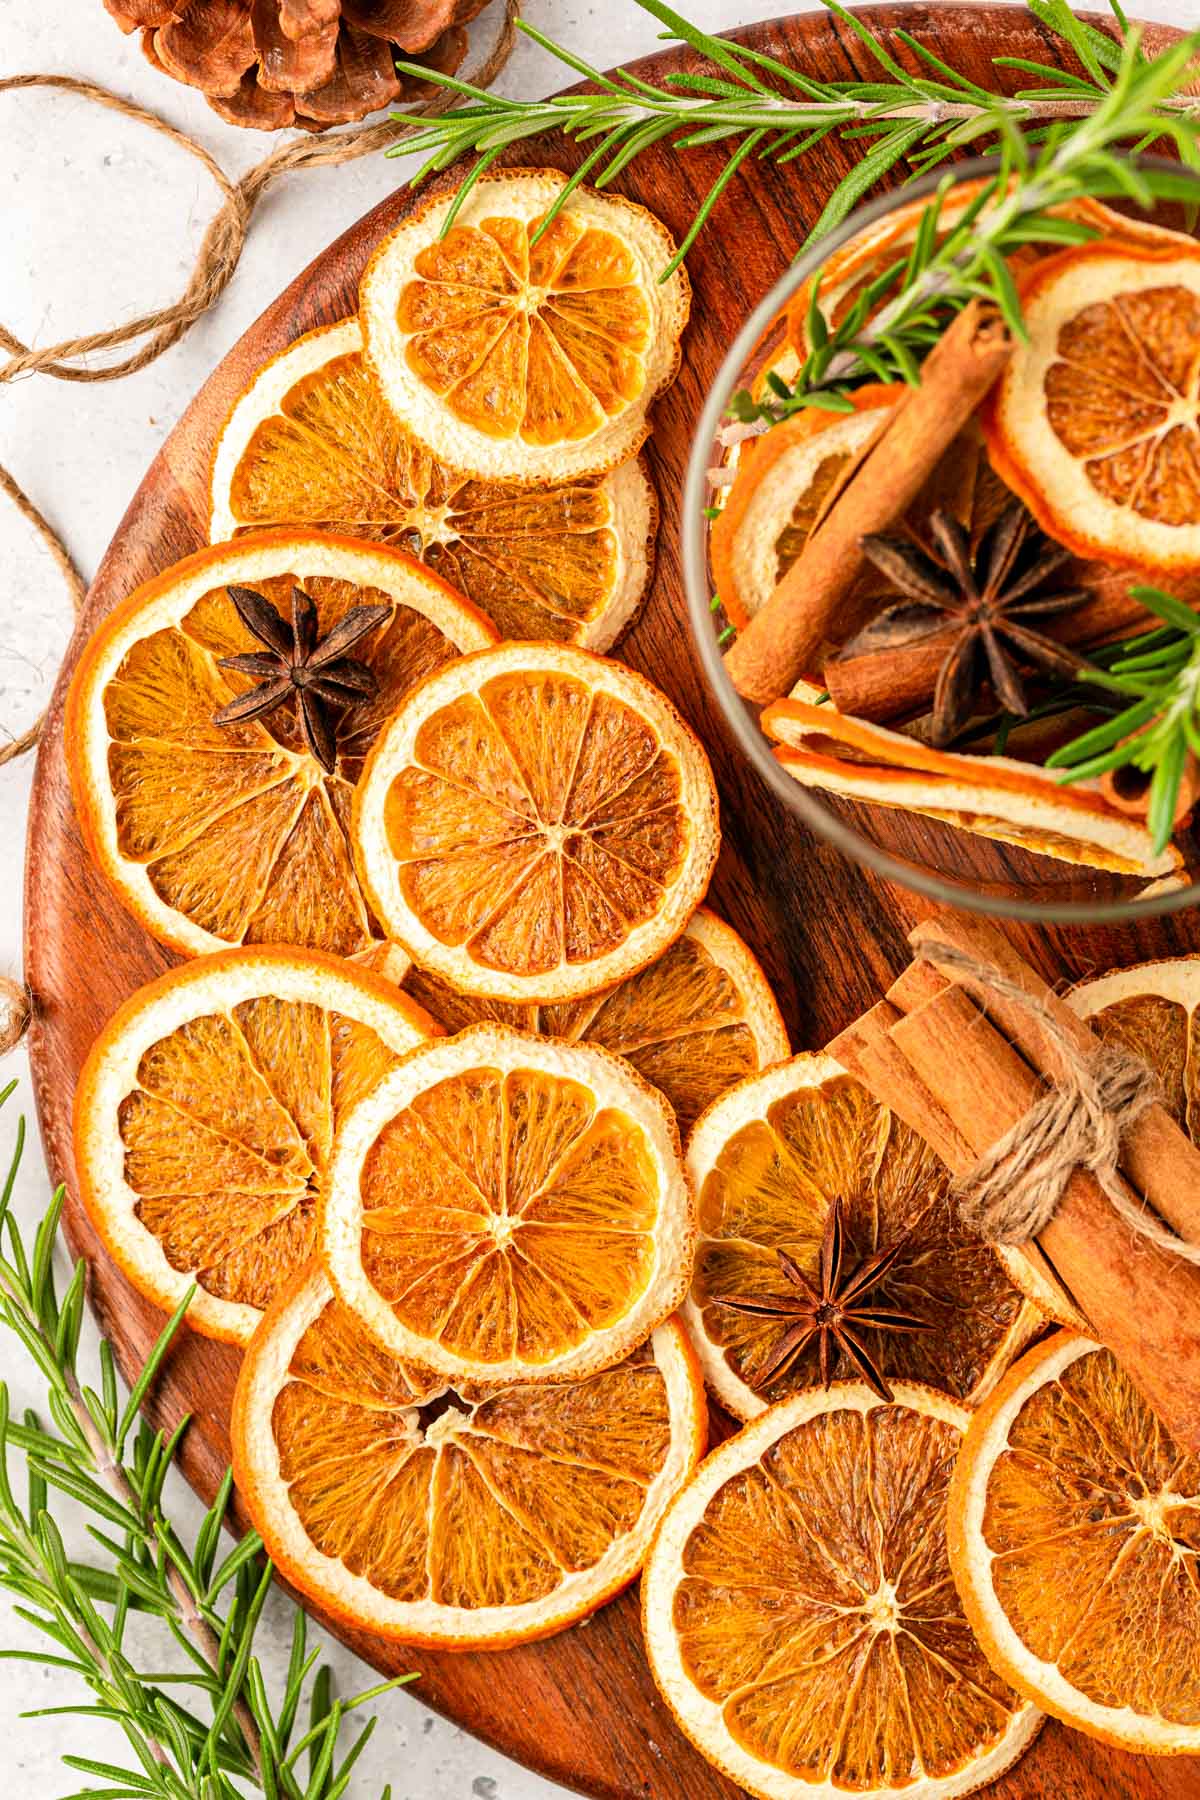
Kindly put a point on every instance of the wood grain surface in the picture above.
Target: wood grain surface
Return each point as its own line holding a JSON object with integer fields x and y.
{"x": 581, "y": 1708}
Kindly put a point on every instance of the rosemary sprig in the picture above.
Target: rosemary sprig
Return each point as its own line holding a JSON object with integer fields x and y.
{"x": 897, "y": 319}
{"x": 761, "y": 108}
{"x": 211, "y": 1731}
{"x": 1159, "y": 675}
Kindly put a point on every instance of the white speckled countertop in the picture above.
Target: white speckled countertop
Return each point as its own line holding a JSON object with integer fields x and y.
{"x": 101, "y": 220}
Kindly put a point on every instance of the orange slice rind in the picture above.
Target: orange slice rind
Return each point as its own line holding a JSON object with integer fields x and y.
{"x": 1074, "y": 1521}
{"x": 491, "y": 1524}
{"x": 535, "y": 823}
{"x": 312, "y": 442}
{"x": 767, "y": 1162}
{"x": 520, "y": 361}
{"x": 799, "y": 1615}
{"x": 205, "y": 1117}
{"x": 509, "y": 1208}
{"x": 783, "y": 480}
{"x": 994, "y": 796}
{"x": 694, "y": 1021}
{"x": 211, "y": 835}
{"x": 1094, "y": 421}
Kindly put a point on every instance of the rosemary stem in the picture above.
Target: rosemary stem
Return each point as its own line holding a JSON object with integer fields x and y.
{"x": 110, "y": 1471}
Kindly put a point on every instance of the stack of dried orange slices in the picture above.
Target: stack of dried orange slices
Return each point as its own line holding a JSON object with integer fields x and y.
{"x": 485, "y": 410}
{"x": 454, "y": 1259}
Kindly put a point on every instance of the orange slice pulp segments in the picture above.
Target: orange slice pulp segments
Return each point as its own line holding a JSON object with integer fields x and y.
{"x": 1094, "y": 423}
{"x": 312, "y": 442}
{"x": 767, "y": 1161}
{"x": 784, "y": 479}
{"x": 799, "y": 1614}
{"x": 1074, "y": 1527}
{"x": 691, "y": 1023}
{"x": 521, "y": 359}
{"x": 995, "y": 796}
{"x": 205, "y": 1117}
{"x": 457, "y": 1525}
{"x": 535, "y": 823}
{"x": 509, "y": 1208}
{"x": 213, "y": 835}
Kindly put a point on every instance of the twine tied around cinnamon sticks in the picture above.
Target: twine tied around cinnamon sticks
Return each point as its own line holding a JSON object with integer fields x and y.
{"x": 1012, "y": 1193}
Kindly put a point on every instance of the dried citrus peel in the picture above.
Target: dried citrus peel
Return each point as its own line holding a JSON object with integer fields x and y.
{"x": 995, "y": 796}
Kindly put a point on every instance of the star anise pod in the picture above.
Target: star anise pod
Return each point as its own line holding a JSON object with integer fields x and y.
{"x": 299, "y": 668}
{"x": 985, "y": 599}
{"x": 835, "y": 1312}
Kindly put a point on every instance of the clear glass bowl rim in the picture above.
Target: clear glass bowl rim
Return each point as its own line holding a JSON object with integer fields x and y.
{"x": 693, "y": 534}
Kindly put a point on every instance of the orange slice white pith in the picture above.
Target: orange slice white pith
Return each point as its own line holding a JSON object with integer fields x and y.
{"x": 784, "y": 479}
{"x": 535, "y": 823}
{"x": 312, "y": 442}
{"x": 509, "y": 1208}
{"x": 799, "y": 1614}
{"x": 1074, "y": 1535}
{"x": 467, "y": 1526}
{"x": 205, "y": 1116}
{"x": 523, "y": 361}
{"x": 1094, "y": 422}
{"x": 215, "y": 835}
{"x": 768, "y": 1161}
{"x": 994, "y": 796}
{"x": 691, "y": 1023}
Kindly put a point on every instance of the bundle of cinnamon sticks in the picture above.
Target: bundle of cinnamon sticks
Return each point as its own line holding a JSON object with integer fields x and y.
{"x": 962, "y": 1065}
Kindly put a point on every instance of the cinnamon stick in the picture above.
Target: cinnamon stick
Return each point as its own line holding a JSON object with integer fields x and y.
{"x": 866, "y": 1048}
{"x": 1127, "y": 790}
{"x": 784, "y": 639}
{"x": 1159, "y": 1158}
{"x": 898, "y": 684}
{"x": 1142, "y": 1302}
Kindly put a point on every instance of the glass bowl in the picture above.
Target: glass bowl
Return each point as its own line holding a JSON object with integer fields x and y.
{"x": 945, "y": 863}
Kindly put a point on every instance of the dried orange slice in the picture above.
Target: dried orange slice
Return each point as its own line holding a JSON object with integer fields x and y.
{"x": 454, "y": 1524}
{"x": 522, "y": 360}
{"x": 506, "y": 1207}
{"x": 768, "y": 1162}
{"x": 692, "y": 1023}
{"x": 214, "y": 835}
{"x": 1094, "y": 421}
{"x": 799, "y": 1614}
{"x": 994, "y": 796}
{"x": 1074, "y": 1528}
{"x": 312, "y": 441}
{"x": 783, "y": 481}
{"x": 205, "y": 1115}
{"x": 535, "y": 823}
{"x": 1151, "y": 1009}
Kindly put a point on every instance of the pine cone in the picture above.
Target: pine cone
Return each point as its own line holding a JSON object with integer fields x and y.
{"x": 313, "y": 63}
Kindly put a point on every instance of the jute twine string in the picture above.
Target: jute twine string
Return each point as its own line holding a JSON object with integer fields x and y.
{"x": 1014, "y": 1190}
{"x": 217, "y": 258}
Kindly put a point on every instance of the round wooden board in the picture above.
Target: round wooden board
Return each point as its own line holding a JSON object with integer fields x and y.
{"x": 581, "y": 1708}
